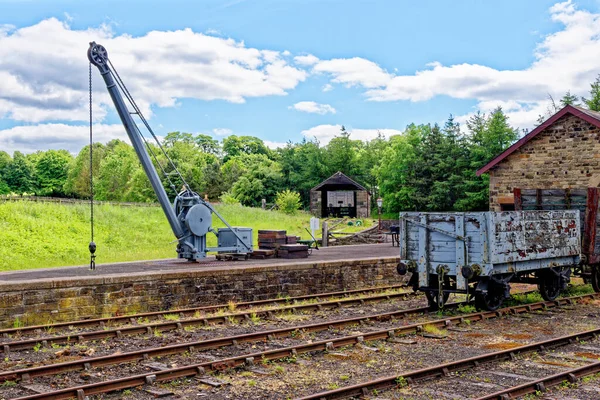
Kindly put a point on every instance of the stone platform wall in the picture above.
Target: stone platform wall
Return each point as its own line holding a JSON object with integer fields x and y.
{"x": 56, "y": 300}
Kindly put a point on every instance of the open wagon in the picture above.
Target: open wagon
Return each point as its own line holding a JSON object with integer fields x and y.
{"x": 480, "y": 253}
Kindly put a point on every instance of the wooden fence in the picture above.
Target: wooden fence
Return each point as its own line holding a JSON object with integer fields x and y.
{"x": 40, "y": 199}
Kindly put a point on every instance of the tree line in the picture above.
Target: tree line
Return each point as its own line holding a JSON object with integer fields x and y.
{"x": 428, "y": 167}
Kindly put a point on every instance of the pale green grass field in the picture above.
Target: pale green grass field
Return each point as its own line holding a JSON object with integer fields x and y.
{"x": 42, "y": 235}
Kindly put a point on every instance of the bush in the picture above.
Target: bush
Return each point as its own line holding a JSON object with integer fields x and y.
{"x": 229, "y": 199}
{"x": 288, "y": 201}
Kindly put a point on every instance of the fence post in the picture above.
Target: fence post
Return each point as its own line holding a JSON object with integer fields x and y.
{"x": 325, "y": 235}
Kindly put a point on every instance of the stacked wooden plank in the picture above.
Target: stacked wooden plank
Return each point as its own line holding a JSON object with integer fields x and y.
{"x": 270, "y": 239}
{"x": 291, "y": 239}
{"x": 293, "y": 251}
{"x": 262, "y": 254}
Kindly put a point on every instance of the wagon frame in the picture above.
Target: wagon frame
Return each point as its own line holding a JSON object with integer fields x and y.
{"x": 480, "y": 253}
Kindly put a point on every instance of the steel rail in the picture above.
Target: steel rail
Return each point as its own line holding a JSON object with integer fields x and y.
{"x": 78, "y": 337}
{"x": 542, "y": 384}
{"x": 400, "y": 380}
{"x": 191, "y": 311}
{"x": 324, "y": 345}
{"x": 25, "y": 374}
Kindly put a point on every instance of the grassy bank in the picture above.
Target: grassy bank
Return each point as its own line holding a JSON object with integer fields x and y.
{"x": 41, "y": 235}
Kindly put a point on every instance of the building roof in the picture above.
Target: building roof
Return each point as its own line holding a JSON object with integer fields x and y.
{"x": 338, "y": 181}
{"x": 592, "y": 117}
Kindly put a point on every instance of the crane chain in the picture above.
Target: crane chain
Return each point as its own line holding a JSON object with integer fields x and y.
{"x": 92, "y": 245}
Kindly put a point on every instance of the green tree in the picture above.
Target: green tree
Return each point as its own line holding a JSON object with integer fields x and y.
{"x": 288, "y": 201}
{"x": 341, "y": 154}
{"x": 231, "y": 171}
{"x": 248, "y": 190}
{"x": 116, "y": 171}
{"x": 393, "y": 174}
{"x": 52, "y": 169}
{"x": 78, "y": 178}
{"x": 488, "y": 138}
{"x": 370, "y": 156}
{"x": 207, "y": 144}
{"x": 303, "y": 167}
{"x": 569, "y": 100}
{"x": 5, "y": 159}
{"x": 234, "y": 146}
{"x": 213, "y": 179}
{"x": 4, "y": 189}
{"x": 593, "y": 103}
{"x": 19, "y": 175}
{"x": 262, "y": 179}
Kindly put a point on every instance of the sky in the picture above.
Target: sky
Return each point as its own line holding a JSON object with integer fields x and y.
{"x": 284, "y": 70}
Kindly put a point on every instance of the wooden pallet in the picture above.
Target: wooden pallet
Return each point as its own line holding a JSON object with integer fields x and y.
{"x": 231, "y": 256}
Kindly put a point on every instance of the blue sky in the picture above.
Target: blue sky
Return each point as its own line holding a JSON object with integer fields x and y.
{"x": 369, "y": 65}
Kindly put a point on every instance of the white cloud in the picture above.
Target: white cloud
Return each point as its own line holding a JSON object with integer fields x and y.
{"x": 328, "y": 87}
{"x": 324, "y": 133}
{"x": 312, "y": 107}
{"x": 44, "y": 70}
{"x": 30, "y": 138}
{"x": 222, "y": 131}
{"x": 354, "y": 72}
{"x": 274, "y": 145}
{"x": 564, "y": 60}
{"x": 306, "y": 60}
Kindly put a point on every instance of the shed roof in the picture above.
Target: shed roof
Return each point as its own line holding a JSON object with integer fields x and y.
{"x": 592, "y": 117}
{"x": 338, "y": 181}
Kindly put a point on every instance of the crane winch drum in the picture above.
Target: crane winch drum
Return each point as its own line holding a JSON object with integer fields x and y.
{"x": 190, "y": 217}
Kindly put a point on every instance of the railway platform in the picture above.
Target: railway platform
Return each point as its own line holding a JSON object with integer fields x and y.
{"x": 67, "y": 293}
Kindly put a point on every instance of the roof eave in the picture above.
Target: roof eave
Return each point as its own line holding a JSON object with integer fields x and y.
{"x": 566, "y": 110}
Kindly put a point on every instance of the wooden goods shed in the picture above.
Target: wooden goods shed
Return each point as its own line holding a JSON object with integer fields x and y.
{"x": 340, "y": 196}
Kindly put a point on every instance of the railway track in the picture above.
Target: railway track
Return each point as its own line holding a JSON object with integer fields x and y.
{"x": 540, "y": 385}
{"x": 202, "y": 345}
{"x": 178, "y": 324}
{"x": 197, "y": 369}
{"x": 446, "y": 369}
{"x": 190, "y": 312}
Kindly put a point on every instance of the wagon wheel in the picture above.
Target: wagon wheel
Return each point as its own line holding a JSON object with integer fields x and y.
{"x": 549, "y": 286}
{"x": 489, "y": 300}
{"x": 596, "y": 278}
{"x": 432, "y": 299}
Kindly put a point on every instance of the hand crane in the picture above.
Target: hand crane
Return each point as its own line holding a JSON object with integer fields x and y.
{"x": 190, "y": 217}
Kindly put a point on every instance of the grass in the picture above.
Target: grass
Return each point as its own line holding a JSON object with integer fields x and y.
{"x": 434, "y": 330}
{"x": 42, "y": 235}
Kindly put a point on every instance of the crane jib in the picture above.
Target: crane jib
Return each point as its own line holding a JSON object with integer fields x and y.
{"x": 190, "y": 217}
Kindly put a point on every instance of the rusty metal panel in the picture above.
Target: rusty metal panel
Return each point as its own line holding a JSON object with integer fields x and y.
{"x": 584, "y": 200}
{"x": 526, "y": 235}
{"x": 518, "y": 199}
{"x": 591, "y": 214}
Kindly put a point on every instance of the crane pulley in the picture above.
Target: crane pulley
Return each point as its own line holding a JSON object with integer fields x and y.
{"x": 190, "y": 217}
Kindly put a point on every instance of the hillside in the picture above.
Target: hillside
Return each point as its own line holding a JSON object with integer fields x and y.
{"x": 41, "y": 235}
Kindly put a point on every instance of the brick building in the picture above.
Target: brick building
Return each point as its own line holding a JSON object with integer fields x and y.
{"x": 561, "y": 153}
{"x": 340, "y": 196}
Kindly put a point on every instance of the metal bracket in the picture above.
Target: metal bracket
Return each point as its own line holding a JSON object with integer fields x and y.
{"x": 443, "y": 232}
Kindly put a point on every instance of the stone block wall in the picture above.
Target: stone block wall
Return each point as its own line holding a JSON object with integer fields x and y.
{"x": 315, "y": 204}
{"x": 565, "y": 155}
{"x": 48, "y": 300}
